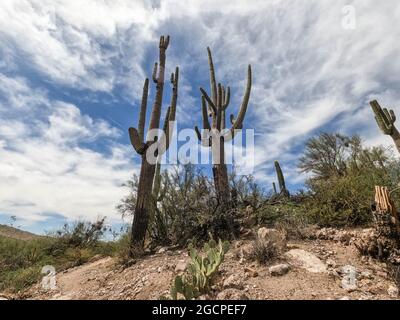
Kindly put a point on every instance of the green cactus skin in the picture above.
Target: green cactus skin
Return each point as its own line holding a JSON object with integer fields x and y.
{"x": 215, "y": 107}
{"x": 385, "y": 120}
{"x": 143, "y": 205}
{"x": 274, "y": 187}
{"x": 200, "y": 271}
{"x": 281, "y": 180}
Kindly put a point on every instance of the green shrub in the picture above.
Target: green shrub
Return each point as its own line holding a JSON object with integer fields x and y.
{"x": 342, "y": 201}
{"x": 21, "y": 261}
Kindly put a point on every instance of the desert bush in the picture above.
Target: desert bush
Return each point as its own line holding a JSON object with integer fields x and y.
{"x": 201, "y": 271}
{"x": 188, "y": 210}
{"x": 344, "y": 174}
{"x": 264, "y": 251}
{"x": 21, "y": 261}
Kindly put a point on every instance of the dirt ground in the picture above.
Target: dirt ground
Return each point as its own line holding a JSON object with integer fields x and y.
{"x": 150, "y": 278}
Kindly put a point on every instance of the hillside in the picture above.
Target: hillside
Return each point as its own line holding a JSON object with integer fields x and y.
{"x": 316, "y": 270}
{"x": 14, "y": 233}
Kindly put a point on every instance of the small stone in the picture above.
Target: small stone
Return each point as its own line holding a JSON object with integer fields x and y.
{"x": 393, "y": 292}
{"x": 181, "y": 266}
{"x": 279, "y": 270}
{"x": 162, "y": 250}
{"x": 306, "y": 260}
{"x": 233, "y": 281}
{"x": 331, "y": 263}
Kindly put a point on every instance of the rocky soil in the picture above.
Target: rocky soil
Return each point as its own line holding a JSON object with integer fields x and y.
{"x": 327, "y": 267}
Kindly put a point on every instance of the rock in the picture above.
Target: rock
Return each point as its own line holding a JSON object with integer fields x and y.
{"x": 3, "y": 299}
{"x": 377, "y": 288}
{"x": 232, "y": 294}
{"x": 279, "y": 269}
{"x": 162, "y": 250}
{"x": 181, "y": 266}
{"x": 393, "y": 292}
{"x": 344, "y": 298}
{"x": 306, "y": 260}
{"x": 253, "y": 273}
{"x": 349, "y": 280}
{"x": 233, "y": 281}
{"x": 331, "y": 263}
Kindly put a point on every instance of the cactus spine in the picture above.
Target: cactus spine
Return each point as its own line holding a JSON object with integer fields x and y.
{"x": 385, "y": 120}
{"x": 214, "y": 107}
{"x": 140, "y": 144}
{"x": 281, "y": 180}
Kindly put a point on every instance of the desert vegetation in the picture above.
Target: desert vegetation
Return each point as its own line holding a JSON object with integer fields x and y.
{"x": 184, "y": 208}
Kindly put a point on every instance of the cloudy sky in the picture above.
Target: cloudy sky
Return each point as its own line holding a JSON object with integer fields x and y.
{"x": 71, "y": 74}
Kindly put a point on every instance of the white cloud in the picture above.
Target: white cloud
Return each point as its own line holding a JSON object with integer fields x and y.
{"x": 45, "y": 170}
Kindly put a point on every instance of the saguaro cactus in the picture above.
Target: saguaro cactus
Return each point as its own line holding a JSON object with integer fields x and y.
{"x": 281, "y": 180}
{"x": 140, "y": 144}
{"x": 215, "y": 107}
{"x": 385, "y": 120}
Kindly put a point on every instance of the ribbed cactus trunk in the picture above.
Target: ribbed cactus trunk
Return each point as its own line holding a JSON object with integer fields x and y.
{"x": 385, "y": 120}
{"x": 220, "y": 175}
{"x": 144, "y": 194}
{"x": 214, "y": 107}
{"x": 141, "y": 215}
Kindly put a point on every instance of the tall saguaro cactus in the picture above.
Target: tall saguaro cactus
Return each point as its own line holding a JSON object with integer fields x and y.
{"x": 214, "y": 107}
{"x": 141, "y": 144}
{"x": 281, "y": 180}
{"x": 385, "y": 120}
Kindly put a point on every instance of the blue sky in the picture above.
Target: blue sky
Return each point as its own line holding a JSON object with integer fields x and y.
{"x": 71, "y": 74}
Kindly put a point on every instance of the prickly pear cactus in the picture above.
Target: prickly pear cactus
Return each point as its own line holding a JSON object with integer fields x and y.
{"x": 201, "y": 270}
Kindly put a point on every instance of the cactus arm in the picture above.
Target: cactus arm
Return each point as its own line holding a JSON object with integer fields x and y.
{"x": 205, "y": 141}
{"x": 155, "y": 115}
{"x": 238, "y": 124}
{"x": 245, "y": 102}
{"x": 171, "y": 112}
{"x": 137, "y": 144}
{"x": 384, "y": 118}
{"x": 210, "y": 102}
{"x": 213, "y": 83}
{"x": 143, "y": 107}
{"x": 219, "y": 107}
{"x": 232, "y": 119}
{"x": 227, "y": 98}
